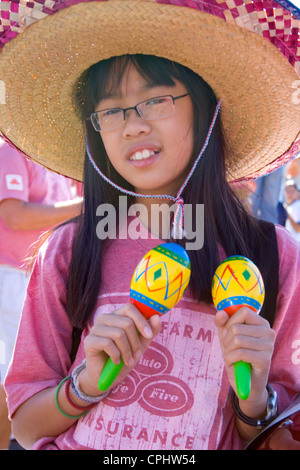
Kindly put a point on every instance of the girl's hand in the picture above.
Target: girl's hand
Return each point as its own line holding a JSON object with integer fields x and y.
{"x": 247, "y": 337}
{"x": 125, "y": 334}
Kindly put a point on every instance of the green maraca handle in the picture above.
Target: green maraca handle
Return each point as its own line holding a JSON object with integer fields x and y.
{"x": 242, "y": 374}
{"x": 109, "y": 374}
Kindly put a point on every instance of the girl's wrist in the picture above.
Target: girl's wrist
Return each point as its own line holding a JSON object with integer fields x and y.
{"x": 70, "y": 400}
{"x": 255, "y": 407}
{"x": 82, "y": 387}
{"x": 85, "y": 385}
{"x": 259, "y": 421}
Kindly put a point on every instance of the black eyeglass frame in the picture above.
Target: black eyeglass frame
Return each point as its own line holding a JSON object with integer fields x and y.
{"x": 132, "y": 107}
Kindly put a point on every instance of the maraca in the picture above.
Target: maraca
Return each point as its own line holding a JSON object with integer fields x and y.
{"x": 157, "y": 284}
{"x": 237, "y": 282}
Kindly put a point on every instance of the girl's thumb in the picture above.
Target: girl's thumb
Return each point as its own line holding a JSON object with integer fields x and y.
{"x": 221, "y": 318}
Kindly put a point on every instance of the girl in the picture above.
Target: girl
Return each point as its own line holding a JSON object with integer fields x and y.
{"x": 147, "y": 121}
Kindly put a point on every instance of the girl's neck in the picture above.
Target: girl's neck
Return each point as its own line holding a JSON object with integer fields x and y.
{"x": 155, "y": 215}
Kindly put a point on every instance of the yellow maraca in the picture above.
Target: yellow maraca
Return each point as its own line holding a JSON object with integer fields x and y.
{"x": 237, "y": 282}
{"x": 157, "y": 284}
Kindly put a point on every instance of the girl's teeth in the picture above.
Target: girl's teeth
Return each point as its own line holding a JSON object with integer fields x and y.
{"x": 142, "y": 155}
{"x": 146, "y": 153}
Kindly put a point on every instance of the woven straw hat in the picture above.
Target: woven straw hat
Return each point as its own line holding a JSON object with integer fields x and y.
{"x": 247, "y": 50}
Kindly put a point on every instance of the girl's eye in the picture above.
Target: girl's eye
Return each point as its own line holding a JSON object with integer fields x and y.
{"x": 155, "y": 101}
{"x": 111, "y": 112}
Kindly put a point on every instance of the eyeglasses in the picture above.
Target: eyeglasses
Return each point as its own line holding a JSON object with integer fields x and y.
{"x": 155, "y": 108}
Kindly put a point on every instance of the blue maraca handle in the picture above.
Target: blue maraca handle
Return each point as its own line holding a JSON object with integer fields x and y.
{"x": 109, "y": 374}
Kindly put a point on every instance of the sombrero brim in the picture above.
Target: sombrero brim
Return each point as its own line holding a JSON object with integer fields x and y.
{"x": 41, "y": 66}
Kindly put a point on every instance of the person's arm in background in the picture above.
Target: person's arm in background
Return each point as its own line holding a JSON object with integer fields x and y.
{"x": 20, "y": 215}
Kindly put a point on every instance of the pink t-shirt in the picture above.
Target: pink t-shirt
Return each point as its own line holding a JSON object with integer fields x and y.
{"x": 27, "y": 181}
{"x": 178, "y": 396}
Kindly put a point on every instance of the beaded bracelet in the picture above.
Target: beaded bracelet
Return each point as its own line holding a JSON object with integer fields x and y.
{"x": 78, "y": 407}
{"x": 59, "y": 408}
{"x": 74, "y": 378}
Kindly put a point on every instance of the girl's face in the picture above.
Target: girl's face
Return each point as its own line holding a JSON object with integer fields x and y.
{"x": 166, "y": 143}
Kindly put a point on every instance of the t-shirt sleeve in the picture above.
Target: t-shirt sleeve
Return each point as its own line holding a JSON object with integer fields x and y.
{"x": 42, "y": 351}
{"x": 285, "y": 367}
{"x": 13, "y": 175}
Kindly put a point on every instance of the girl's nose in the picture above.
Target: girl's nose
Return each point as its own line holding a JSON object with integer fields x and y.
{"x": 134, "y": 124}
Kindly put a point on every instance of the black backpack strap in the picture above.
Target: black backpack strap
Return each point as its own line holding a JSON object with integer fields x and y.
{"x": 269, "y": 269}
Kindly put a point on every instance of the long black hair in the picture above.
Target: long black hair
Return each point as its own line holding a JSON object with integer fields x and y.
{"x": 226, "y": 222}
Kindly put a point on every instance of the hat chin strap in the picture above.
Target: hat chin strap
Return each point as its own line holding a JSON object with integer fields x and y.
{"x": 177, "y": 231}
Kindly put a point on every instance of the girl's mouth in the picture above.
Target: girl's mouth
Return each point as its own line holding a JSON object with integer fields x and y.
{"x": 143, "y": 155}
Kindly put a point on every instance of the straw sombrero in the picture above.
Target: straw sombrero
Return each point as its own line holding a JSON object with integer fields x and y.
{"x": 247, "y": 50}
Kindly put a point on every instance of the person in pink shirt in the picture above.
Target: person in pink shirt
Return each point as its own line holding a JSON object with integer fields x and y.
{"x": 164, "y": 117}
{"x": 32, "y": 200}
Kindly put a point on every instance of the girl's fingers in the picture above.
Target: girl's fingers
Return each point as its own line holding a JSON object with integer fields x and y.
{"x": 114, "y": 341}
{"x": 244, "y": 322}
{"x": 248, "y": 336}
{"x": 245, "y": 337}
{"x": 122, "y": 331}
{"x": 95, "y": 345}
{"x": 155, "y": 325}
{"x": 125, "y": 334}
{"x": 246, "y": 315}
{"x": 131, "y": 312}
{"x": 259, "y": 360}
